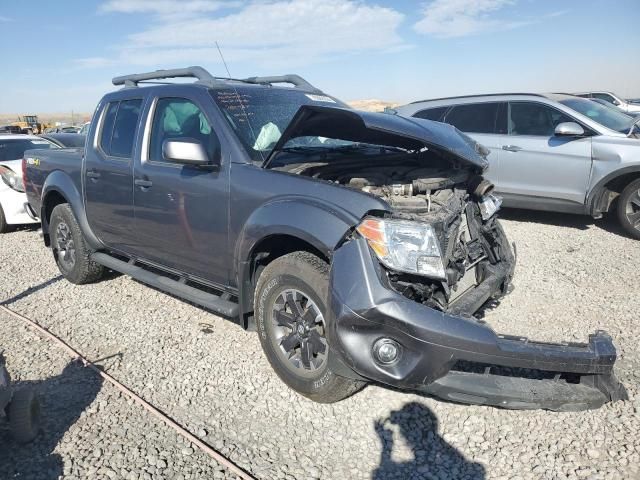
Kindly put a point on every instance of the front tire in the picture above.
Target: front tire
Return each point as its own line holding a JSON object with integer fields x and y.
{"x": 70, "y": 250}
{"x": 628, "y": 210}
{"x": 290, "y": 309}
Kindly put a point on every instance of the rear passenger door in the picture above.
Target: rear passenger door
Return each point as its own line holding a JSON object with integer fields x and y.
{"x": 182, "y": 211}
{"x": 108, "y": 176}
{"x": 486, "y": 123}
{"x": 539, "y": 169}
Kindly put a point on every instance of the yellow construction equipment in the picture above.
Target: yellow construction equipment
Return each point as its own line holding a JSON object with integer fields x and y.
{"x": 30, "y": 124}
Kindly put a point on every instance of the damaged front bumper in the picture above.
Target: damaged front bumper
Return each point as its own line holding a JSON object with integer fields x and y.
{"x": 456, "y": 357}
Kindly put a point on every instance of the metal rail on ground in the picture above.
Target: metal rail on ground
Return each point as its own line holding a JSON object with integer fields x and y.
{"x": 217, "y": 456}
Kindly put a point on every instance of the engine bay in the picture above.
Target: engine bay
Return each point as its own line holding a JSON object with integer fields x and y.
{"x": 447, "y": 197}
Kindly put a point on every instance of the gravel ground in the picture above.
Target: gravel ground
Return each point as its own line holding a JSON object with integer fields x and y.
{"x": 573, "y": 277}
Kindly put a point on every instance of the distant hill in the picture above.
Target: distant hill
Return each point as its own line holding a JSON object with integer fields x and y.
{"x": 372, "y": 105}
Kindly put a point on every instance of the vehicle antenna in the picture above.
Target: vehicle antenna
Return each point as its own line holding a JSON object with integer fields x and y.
{"x": 246, "y": 116}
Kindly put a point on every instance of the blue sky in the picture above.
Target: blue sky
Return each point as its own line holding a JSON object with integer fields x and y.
{"x": 66, "y": 52}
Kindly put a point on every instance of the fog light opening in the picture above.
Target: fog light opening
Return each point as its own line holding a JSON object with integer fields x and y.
{"x": 386, "y": 351}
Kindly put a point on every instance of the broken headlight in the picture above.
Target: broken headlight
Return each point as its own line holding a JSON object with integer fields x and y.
{"x": 12, "y": 180}
{"x": 405, "y": 246}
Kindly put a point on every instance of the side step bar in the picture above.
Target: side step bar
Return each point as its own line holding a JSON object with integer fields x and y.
{"x": 208, "y": 300}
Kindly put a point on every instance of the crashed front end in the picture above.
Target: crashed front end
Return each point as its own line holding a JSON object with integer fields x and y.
{"x": 419, "y": 332}
{"x": 408, "y": 282}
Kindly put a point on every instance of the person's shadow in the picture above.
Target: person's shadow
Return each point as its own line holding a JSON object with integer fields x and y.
{"x": 62, "y": 399}
{"x": 433, "y": 457}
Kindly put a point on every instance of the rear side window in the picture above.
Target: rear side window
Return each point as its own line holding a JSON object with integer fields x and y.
{"x": 119, "y": 128}
{"x": 476, "y": 118}
{"x": 107, "y": 127}
{"x": 435, "y": 114}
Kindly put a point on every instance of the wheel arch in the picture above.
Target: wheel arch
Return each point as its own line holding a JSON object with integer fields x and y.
{"x": 311, "y": 227}
{"x": 602, "y": 195}
{"x": 60, "y": 188}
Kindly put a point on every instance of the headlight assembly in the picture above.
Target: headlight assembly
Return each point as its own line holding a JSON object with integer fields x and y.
{"x": 405, "y": 246}
{"x": 12, "y": 180}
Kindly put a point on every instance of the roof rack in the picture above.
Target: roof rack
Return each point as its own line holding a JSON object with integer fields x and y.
{"x": 193, "y": 72}
{"x": 206, "y": 78}
{"x": 295, "y": 80}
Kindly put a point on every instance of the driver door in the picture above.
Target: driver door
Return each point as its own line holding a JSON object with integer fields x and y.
{"x": 538, "y": 168}
{"x": 181, "y": 211}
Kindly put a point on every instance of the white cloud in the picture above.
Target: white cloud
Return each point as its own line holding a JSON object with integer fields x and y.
{"x": 165, "y": 7}
{"x": 292, "y": 32}
{"x": 459, "y": 18}
{"x": 5, "y": 19}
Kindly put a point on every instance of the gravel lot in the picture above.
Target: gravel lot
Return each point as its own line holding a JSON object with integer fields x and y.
{"x": 573, "y": 277}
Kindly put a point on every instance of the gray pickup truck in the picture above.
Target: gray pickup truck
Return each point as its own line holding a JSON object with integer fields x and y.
{"x": 358, "y": 245}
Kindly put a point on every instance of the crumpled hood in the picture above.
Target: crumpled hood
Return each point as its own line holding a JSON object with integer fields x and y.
{"x": 381, "y": 129}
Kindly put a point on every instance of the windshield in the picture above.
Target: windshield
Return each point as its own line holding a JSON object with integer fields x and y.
{"x": 610, "y": 117}
{"x": 13, "y": 149}
{"x": 260, "y": 115}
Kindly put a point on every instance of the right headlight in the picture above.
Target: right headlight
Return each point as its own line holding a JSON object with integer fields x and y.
{"x": 12, "y": 180}
{"x": 406, "y": 246}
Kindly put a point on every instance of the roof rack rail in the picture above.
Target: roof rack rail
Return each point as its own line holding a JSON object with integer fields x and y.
{"x": 293, "y": 79}
{"x": 200, "y": 73}
{"x": 480, "y": 95}
{"x": 206, "y": 78}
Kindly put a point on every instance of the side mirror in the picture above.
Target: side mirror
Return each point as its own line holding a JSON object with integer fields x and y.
{"x": 569, "y": 129}
{"x": 615, "y": 102}
{"x": 189, "y": 151}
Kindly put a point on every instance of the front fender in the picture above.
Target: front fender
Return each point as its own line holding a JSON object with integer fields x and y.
{"x": 59, "y": 182}
{"x": 322, "y": 225}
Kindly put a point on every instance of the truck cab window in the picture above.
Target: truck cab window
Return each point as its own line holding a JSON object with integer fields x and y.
{"x": 119, "y": 128}
{"x": 179, "y": 118}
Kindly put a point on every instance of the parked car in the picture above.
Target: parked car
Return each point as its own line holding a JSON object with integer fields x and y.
{"x": 66, "y": 140}
{"x": 611, "y": 105}
{"x": 84, "y": 130}
{"x": 551, "y": 152}
{"x": 13, "y": 201}
{"x": 627, "y": 106}
{"x": 359, "y": 245}
{"x": 14, "y": 129}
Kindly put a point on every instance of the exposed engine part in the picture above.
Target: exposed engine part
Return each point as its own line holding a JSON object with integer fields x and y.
{"x": 443, "y": 195}
{"x": 479, "y": 187}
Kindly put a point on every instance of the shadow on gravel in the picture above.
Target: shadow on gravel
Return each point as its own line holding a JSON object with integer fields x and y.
{"x": 433, "y": 457}
{"x": 568, "y": 220}
{"x": 31, "y": 290}
{"x": 62, "y": 399}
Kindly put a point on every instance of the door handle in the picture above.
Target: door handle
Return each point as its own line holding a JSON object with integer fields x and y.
{"x": 511, "y": 148}
{"x": 143, "y": 183}
{"x": 93, "y": 174}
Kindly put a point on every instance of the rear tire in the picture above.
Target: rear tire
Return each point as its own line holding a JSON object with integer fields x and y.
{"x": 628, "y": 209}
{"x": 290, "y": 306}
{"x": 70, "y": 250}
{"x": 24, "y": 415}
{"x": 4, "y": 226}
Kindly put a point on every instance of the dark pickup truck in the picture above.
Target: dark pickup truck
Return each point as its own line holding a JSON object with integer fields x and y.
{"x": 358, "y": 245}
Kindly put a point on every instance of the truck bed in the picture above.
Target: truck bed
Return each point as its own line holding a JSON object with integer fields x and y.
{"x": 41, "y": 166}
